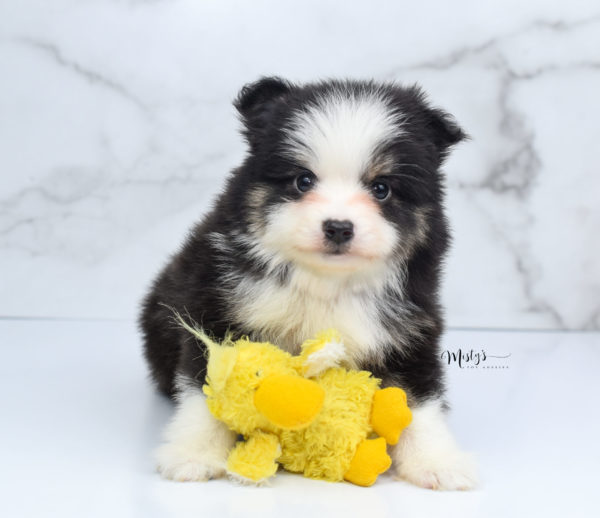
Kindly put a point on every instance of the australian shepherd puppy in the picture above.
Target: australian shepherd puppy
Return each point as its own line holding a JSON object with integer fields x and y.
{"x": 334, "y": 219}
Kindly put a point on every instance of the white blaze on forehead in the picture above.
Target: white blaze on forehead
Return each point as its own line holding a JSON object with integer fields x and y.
{"x": 337, "y": 136}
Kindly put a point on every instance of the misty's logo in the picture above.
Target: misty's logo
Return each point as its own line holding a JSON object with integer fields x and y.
{"x": 474, "y": 359}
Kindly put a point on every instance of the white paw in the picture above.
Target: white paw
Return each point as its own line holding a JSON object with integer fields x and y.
{"x": 196, "y": 444}
{"x": 445, "y": 472}
{"x": 175, "y": 463}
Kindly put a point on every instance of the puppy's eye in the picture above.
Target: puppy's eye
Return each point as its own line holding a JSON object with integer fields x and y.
{"x": 380, "y": 190}
{"x": 306, "y": 181}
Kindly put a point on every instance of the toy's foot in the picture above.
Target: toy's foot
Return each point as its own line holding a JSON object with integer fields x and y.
{"x": 390, "y": 413}
{"x": 254, "y": 461}
{"x": 370, "y": 460}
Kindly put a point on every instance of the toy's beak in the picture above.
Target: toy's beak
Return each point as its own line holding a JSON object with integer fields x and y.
{"x": 289, "y": 401}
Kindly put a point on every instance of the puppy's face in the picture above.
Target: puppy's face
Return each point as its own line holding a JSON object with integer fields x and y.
{"x": 344, "y": 174}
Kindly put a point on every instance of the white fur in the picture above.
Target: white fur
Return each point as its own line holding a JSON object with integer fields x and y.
{"x": 289, "y": 314}
{"x": 337, "y": 136}
{"x": 196, "y": 444}
{"x": 332, "y": 354}
{"x": 427, "y": 454}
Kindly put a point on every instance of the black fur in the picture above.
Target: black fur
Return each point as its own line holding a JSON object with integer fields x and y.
{"x": 192, "y": 282}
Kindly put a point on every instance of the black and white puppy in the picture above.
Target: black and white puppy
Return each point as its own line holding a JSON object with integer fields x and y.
{"x": 335, "y": 219}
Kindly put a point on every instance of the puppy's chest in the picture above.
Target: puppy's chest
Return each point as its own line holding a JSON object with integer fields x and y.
{"x": 286, "y": 316}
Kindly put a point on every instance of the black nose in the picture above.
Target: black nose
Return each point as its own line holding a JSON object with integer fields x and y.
{"x": 338, "y": 231}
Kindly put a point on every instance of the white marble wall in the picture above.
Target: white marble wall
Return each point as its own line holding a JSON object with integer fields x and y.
{"x": 116, "y": 129}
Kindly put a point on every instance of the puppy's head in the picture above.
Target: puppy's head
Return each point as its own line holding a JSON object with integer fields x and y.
{"x": 342, "y": 176}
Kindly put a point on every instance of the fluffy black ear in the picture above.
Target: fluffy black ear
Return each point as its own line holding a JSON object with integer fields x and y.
{"x": 256, "y": 104}
{"x": 444, "y": 130}
{"x": 255, "y": 95}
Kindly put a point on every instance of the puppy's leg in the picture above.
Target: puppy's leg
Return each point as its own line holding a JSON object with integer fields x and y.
{"x": 196, "y": 444}
{"x": 427, "y": 454}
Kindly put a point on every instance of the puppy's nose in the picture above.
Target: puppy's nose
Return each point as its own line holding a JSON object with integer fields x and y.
{"x": 338, "y": 231}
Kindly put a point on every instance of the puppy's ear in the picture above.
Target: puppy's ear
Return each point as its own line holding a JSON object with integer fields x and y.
{"x": 443, "y": 130}
{"x": 256, "y": 104}
{"x": 255, "y": 96}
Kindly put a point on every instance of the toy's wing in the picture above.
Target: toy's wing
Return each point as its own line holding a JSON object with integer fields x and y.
{"x": 324, "y": 352}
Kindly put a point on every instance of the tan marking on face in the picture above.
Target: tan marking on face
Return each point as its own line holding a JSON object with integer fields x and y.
{"x": 422, "y": 223}
{"x": 257, "y": 197}
{"x": 256, "y": 200}
{"x": 380, "y": 166}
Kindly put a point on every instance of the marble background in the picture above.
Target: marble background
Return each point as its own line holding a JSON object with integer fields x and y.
{"x": 116, "y": 130}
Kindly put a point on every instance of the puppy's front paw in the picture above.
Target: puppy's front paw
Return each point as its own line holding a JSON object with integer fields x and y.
{"x": 445, "y": 471}
{"x": 176, "y": 463}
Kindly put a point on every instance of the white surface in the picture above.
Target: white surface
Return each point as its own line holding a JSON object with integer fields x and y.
{"x": 79, "y": 421}
{"x": 117, "y": 129}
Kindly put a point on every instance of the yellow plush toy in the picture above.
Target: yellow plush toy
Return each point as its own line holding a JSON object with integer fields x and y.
{"x": 304, "y": 412}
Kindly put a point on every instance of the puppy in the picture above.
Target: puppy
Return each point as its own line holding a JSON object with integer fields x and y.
{"x": 334, "y": 219}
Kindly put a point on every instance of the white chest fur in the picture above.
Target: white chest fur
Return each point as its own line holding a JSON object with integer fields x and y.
{"x": 289, "y": 314}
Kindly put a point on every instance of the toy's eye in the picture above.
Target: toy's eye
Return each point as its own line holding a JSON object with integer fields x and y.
{"x": 380, "y": 190}
{"x": 258, "y": 374}
{"x": 306, "y": 181}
